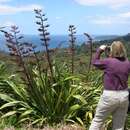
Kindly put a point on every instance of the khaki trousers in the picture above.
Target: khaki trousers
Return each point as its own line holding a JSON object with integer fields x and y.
{"x": 114, "y": 103}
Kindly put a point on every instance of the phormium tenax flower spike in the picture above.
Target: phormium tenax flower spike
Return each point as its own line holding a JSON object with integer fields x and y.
{"x": 90, "y": 41}
{"x": 72, "y": 32}
{"x": 43, "y": 26}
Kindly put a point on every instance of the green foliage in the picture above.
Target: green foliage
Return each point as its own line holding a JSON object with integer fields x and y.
{"x": 128, "y": 121}
{"x": 68, "y": 99}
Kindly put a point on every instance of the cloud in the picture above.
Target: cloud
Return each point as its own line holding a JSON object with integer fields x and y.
{"x": 8, "y": 23}
{"x": 110, "y": 20}
{"x": 101, "y": 21}
{"x": 125, "y": 15}
{"x": 109, "y": 3}
{"x": 6, "y": 9}
{"x": 58, "y": 18}
{"x": 3, "y": 1}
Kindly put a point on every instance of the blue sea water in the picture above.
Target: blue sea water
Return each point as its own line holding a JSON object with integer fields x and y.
{"x": 55, "y": 40}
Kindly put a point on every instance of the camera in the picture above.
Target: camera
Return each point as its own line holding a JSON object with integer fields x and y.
{"x": 107, "y": 51}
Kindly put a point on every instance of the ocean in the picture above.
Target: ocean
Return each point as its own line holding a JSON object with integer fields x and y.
{"x": 55, "y": 40}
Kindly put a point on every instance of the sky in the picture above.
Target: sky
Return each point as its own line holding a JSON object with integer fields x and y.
{"x": 97, "y": 17}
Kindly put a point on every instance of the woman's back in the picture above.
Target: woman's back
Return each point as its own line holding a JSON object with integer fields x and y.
{"x": 116, "y": 73}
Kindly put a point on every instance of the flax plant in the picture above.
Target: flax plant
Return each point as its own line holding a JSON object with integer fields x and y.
{"x": 37, "y": 101}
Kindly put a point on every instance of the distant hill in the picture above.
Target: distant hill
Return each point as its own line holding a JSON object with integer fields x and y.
{"x": 105, "y": 37}
{"x": 124, "y": 38}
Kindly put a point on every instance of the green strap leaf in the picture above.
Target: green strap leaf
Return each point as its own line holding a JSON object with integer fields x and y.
{"x": 80, "y": 121}
{"x": 26, "y": 113}
{"x": 15, "y": 88}
{"x": 81, "y": 98}
{"x": 9, "y": 114}
{"x": 9, "y": 104}
{"x": 6, "y": 97}
{"x": 23, "y": 119}
{"x": 74, "y": 107}
{"x": 36, "y": 121}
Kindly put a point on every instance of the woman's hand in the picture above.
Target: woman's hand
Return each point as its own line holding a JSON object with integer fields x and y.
{"x": 103, "y": 47}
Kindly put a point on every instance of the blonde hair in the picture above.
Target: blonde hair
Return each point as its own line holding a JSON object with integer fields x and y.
{"x": 118, "y": 49}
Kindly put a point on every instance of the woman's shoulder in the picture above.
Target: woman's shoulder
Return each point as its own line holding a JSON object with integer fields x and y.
{"x": 116, "y": 60}
{"x": 109, "y": 59}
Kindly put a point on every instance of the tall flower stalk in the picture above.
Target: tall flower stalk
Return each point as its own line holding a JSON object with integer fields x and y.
{"x": 17, "y": 49}
{"x": 91, "y": 49}
{"x": 72, "y": 40}
{"x": 44, "y": 34}
{"x": 20, "y": 50}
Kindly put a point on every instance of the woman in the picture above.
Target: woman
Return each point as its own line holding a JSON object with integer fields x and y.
{"x": 114, "y": 99}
